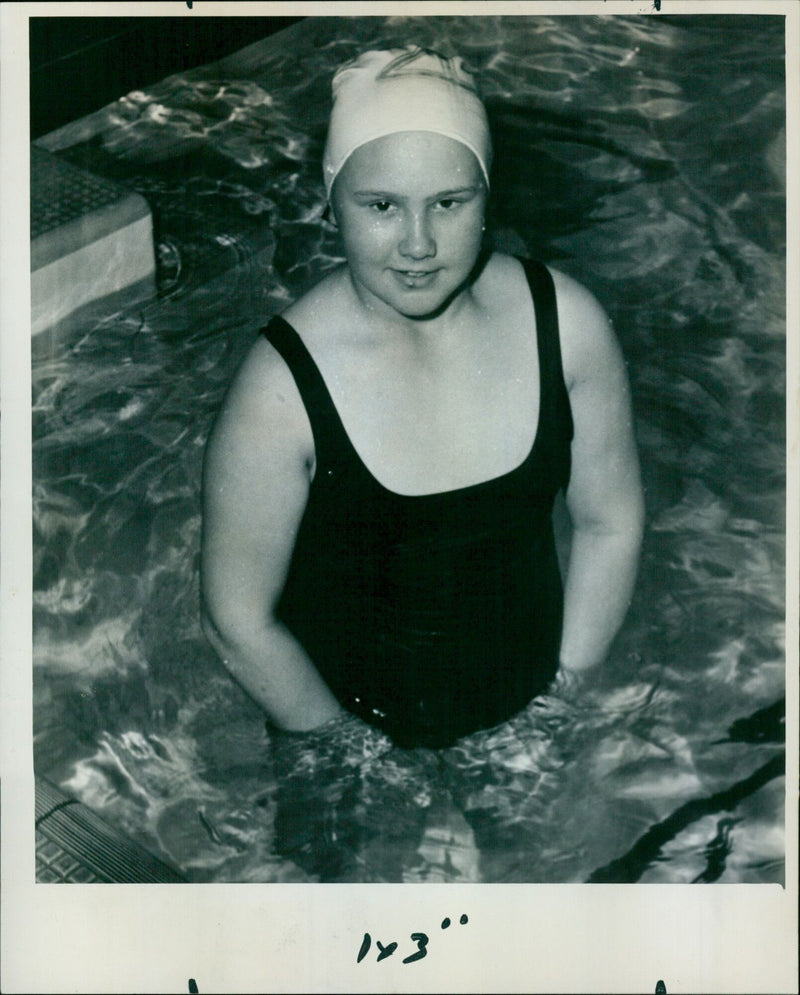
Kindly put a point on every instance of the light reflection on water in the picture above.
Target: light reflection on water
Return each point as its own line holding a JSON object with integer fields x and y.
{"x": 642, "y": 156}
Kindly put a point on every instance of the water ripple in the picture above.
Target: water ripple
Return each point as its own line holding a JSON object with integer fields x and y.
{"x": 644, "y": 156}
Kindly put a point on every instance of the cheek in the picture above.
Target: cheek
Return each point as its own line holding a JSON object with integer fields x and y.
{"x": 468, "y": 233}
{"x": 364, "y": 240}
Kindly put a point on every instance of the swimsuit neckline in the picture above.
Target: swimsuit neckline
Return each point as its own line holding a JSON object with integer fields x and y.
{"x": 454, "y": 492}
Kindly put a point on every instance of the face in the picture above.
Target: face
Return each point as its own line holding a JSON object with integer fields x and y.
{"x": 410, "y": 210}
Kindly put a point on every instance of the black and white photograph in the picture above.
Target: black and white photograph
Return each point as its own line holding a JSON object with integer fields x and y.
{"x": 407, "y": 472}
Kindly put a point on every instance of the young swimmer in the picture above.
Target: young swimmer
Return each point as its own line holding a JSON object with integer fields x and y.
{"x": 378, "y": 555}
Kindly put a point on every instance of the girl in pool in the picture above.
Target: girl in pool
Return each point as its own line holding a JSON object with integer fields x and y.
{"x": 379, "y": 562}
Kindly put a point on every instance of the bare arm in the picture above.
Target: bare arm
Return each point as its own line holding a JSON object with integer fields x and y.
{"x": 604, "y": 496}
{"x": 255, "y": 487}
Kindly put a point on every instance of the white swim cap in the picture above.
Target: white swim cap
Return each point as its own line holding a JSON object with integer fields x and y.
{"x": 381, "y": 93}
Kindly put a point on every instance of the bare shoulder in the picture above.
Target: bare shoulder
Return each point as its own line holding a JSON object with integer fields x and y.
{"x": 589, "y": 346}
{"x": 312, "y": 314}
{"x": 575, "y": 300}
{"x": 262, "y": 414}
{"x": 502, "y": 289}
{"x": 503, "y": 275}
{"x": 501, "y": 266}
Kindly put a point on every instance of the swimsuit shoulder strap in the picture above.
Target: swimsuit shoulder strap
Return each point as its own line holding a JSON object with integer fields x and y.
{"x": 554, "y": 397}
{"x": 330, "y": 439}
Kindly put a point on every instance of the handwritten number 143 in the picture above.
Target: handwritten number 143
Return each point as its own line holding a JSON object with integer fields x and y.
{"x": 420, "y": 939}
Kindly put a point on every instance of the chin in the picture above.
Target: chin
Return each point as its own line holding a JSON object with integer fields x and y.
{"x": 422, "y": 309}
{"x": 424, "y": 302}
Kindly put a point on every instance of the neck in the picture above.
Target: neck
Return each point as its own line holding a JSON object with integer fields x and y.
{"x": 447, "y": 318}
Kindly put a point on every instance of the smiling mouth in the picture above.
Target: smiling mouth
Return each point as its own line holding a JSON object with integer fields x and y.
{"x": 415, "y": 275}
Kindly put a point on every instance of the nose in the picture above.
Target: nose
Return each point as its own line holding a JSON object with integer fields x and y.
{"x": 417, "y": 241}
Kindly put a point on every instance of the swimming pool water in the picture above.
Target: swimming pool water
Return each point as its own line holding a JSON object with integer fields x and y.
{"x": 643, "y": 156}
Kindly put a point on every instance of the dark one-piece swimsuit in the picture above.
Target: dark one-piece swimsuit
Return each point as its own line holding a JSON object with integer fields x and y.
{"x": 437, "y": 615}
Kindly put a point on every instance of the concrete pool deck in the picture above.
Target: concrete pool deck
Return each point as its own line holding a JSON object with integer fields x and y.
{"x": 91, "y": 244}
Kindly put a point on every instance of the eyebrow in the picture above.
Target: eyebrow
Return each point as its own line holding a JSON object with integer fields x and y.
{"x": 387, "y": 195}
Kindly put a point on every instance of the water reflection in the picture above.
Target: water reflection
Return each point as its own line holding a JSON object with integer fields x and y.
{"x": 645, "y": 158}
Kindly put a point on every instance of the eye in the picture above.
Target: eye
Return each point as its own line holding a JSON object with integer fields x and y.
{"x": 381, "y": 206}
{"x": 449, "y": 203}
